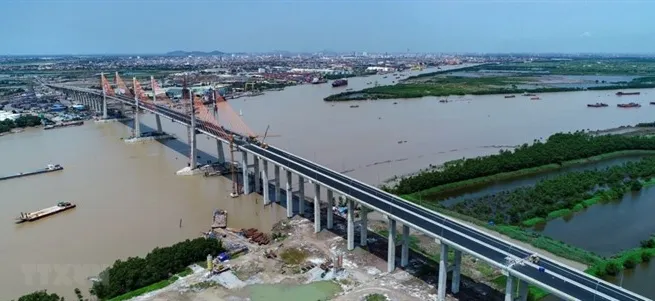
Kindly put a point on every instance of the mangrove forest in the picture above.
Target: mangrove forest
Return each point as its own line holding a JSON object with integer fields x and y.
{"x": 557, "y": 149}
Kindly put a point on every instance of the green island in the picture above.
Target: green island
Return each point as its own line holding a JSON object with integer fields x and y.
{"x": 513, "y": 78}
{"x": 136, "y": 275}
{"x": 514, "y": 212}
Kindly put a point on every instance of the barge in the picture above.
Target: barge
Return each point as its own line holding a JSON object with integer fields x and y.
{"x": 36, "y": 215}
{"x": 339, "y": 83}
{"x": 63, "y": 125}
{"x": 49, "y": 168}
{"x": 629, "y": 105}
{"x": 627, "y": 93}
{"x": 597, "y": 105}
{"x": 510, "y": 96}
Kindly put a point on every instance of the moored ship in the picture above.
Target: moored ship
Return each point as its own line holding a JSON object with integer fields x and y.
{"x": 339, "y": 83}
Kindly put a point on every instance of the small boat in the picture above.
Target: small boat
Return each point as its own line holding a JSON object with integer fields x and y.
{"x": 629, "y": 105}
{"x": 652, "y": 102}
{"x": 597, "y": 105}
{"x": 354, "y": 106}
{"x": 443, "y": 100}
{"x": 510, "y": 96}
{"x": 535, "y": 98}
{"x": 529, "y": 94}
{"x": 627, "y": 93}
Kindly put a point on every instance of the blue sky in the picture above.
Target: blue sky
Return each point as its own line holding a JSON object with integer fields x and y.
{"x": 142, "y": 26}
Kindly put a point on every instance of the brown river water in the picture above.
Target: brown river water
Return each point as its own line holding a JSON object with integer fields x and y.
{"x": 130, "y": 201}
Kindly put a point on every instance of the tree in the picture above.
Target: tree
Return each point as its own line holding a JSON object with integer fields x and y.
{"x": 41, "y": 296}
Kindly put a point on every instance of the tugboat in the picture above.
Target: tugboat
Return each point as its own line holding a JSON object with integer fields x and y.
{"x": 627, "y": 93}
{"x": 597, "y": 105}
{"x": 339, "y": 83}
{"x": 629, "y": 105}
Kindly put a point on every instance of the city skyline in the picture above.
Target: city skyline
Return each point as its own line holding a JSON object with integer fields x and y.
{"x": 120, "y": 27}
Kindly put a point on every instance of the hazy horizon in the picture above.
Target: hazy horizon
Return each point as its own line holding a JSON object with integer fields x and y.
{"x": 100, "y": 27}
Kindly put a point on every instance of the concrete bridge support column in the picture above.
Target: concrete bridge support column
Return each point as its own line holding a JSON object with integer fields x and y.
{"x": 330, "y": 213}
{"x": 391, "y": 250}
{"x": 404, "y": 251}
{"x": 137, "y": 130}
{"x": 104, "y": 109}
{"x": 351, "y": 223}
{"x": 301, "y": 199}
{"x": 317, "y": 208}
{"x": 244, "y": 172}
{"x": 276, "y": 173}
{"x": 509, "y": 288}
{"x": 457, "y": 272}
{"x": 221, "y": 152}
{"x": 443, "y": 272}
{"x": 363, "y": 227}
{"x": 289, "y": 193}
{"x": 523, "y": 291}
{"x": 258, "y": 186}
{"x": 158, "y": 121}
{"x": 97, "y": 103}
{"x": 267, "y": 200}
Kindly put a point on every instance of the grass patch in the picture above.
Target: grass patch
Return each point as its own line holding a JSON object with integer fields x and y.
{"x": 625, "y": 260}
{"x": 376, "y": 297}
{"x": 293, "y": 256}
{"x": 153, "y": 287}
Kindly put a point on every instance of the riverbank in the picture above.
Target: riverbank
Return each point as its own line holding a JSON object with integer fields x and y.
{"x": 441, "y": 84}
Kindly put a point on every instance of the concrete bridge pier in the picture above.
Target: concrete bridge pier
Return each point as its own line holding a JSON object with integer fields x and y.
{"x": 351, "y": 223}
{"x": 266, "y": 181}
{"x": 289, "y": 194}
{"x": 391, "y": 249}
{"x": 444, "y": 268}
{"x": 255, "y": 163}
{"x": 317, "y": 208}
{"x": 363, "y": 226}
{"x": 330, "y": 214}
{"x": 276, "y": 173}
{"x": 104, "y": 106}
{"x": 221, "y": 152}
{"x": 244, "y": 172}
{"x": 510, "y": 287}
{"x": 404, "y": 250}
{"x": 523, "y": 290}
{"x": 301, "y": 199}
{"x": 157, "y": 120}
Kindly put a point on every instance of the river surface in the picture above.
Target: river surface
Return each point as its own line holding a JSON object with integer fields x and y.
{"x": 130, "y": 201}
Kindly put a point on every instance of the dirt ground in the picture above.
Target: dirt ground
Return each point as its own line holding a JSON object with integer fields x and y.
{"x": 300, "y": 252}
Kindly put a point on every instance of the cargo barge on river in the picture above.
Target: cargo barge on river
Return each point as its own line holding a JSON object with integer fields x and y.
{"x": 597, "y": 105}
{"x": 339, "y": 83}
{"x": 63, "y": 125}
{"x": 627, "y": 93}
{"x": 629, "y": 105}
{"x": 36, "y": 215}
{"x": 49, "y": 168}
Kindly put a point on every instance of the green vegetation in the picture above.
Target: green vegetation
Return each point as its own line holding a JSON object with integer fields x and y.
{"x": 559, "y": 196}
{"x": 155, "y": 269}
{"x": 628, "y": 259}
{"x": 558, "y": 149}
{"x": 376, "y": 297}
{"x": 20, "y": 122}
{"x": 44, "y": 296}
{"x": 293, "y": 256}
{"x": 152, "y": 287}
{"x": 619, "y": 66}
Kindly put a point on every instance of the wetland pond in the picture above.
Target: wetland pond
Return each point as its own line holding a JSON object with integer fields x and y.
{"x": 452, "y": 197}
{"x": 320, "y": 290}
{"x": 604, "y": 228}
